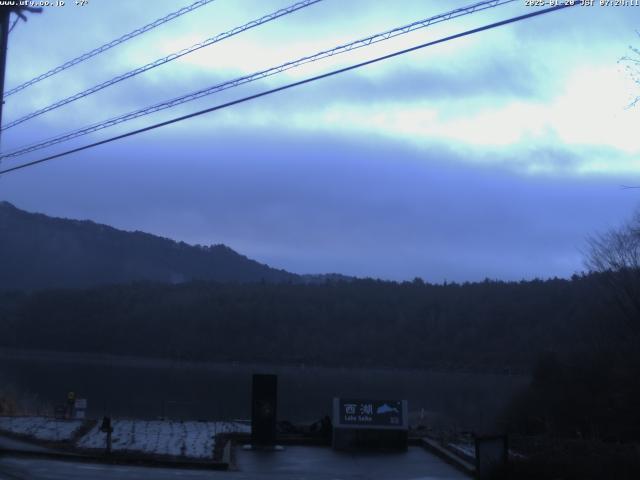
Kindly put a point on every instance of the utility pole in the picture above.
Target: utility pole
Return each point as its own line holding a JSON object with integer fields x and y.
{"x": 5, "y": 14}
{"x": 4, "y": 38}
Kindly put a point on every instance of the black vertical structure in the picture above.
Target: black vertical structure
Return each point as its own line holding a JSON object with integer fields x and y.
{"x": 108, "y": 429}
{"x": 264, "y": 404}
{"x": 5, "y": 13}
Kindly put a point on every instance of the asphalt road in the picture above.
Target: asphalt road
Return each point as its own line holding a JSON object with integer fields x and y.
{"x": 323, "y": 463}
{"x": 294, "y": 463}
{"x": 11, "y": 444}
{"x": 12, "y": 468}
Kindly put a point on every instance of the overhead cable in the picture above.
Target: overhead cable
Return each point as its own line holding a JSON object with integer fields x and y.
{"x": 363, "y": 42}
{"x": 161, "y": 61}
{"x": 109, "y": 45}
{"x": 291, "y": 85}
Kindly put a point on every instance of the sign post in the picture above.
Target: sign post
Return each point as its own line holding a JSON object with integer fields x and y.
{"x": 370, "y": 424}
{"x": 71, "y": 400}
{"x": 60, "y": 412}
{"x": 80, "y": 408}
{"x": 108, "y": 429}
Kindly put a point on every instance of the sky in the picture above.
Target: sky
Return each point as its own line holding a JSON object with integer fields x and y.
{"x": 491, "y": 156}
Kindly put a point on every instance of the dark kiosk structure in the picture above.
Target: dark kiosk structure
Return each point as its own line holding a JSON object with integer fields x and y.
{"x": 264, "y": 403}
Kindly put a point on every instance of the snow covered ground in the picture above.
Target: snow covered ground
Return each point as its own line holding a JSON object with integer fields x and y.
{"x": 41, "y": 428}
{"x": 176, "y": 438}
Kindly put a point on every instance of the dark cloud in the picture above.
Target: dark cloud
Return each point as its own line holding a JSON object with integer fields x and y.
{"x": 313, "y": 204}
{"x": 314, "y": 199}
{"x": 492, "y": 79}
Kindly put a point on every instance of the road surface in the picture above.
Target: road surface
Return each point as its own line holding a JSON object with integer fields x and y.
{"x": 294, "y": 463}
{"x": 11, "y": 444}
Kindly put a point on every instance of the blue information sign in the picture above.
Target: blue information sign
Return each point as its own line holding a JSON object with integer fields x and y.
{"x": 371, "y": 413}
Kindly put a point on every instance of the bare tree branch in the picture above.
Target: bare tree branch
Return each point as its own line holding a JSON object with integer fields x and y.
{"x": 615, "y": 255}
{"x": 632, "y": 66}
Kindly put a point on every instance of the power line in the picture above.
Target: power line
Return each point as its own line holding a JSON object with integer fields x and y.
{"x": 363, "y": 42}
{"x": 293, "y": 84}
{"x": 161, "y": 61}
{"x": 111, "y": 44}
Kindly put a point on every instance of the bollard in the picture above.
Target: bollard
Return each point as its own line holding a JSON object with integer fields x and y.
{"x": 108, "y": 429}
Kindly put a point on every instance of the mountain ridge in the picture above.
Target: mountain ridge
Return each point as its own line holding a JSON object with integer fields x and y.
{"x": 38, "y": 251}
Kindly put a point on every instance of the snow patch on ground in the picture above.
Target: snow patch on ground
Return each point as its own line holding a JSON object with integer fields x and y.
{"x": 41, "y": 428}
{"x": 162, "y": 437}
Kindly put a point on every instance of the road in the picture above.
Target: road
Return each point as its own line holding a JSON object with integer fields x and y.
{"x": 11, "y": 444}
{"x": 294, "y": 463}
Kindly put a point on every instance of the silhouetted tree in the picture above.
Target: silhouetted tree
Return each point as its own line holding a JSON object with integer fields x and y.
{"x": 615, "y": 256}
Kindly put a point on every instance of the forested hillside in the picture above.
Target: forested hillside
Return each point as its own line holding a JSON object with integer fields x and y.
{"x": 487, "y": 325}
{"x": 37, "y": 251}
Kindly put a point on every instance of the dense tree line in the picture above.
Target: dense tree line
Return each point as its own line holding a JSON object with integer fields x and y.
{"x": 594, "y": 394}
{"x": 486, "y": 325}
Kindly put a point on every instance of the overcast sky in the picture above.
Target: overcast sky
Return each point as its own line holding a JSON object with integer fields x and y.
{"x": 489, "y": 156}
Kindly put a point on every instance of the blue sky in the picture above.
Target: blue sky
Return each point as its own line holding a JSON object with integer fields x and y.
{"x": 489, "y": 156}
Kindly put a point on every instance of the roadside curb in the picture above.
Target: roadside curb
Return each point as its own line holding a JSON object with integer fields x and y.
{"x": 118, "y": 459}
{"x": 452, "y": 459}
